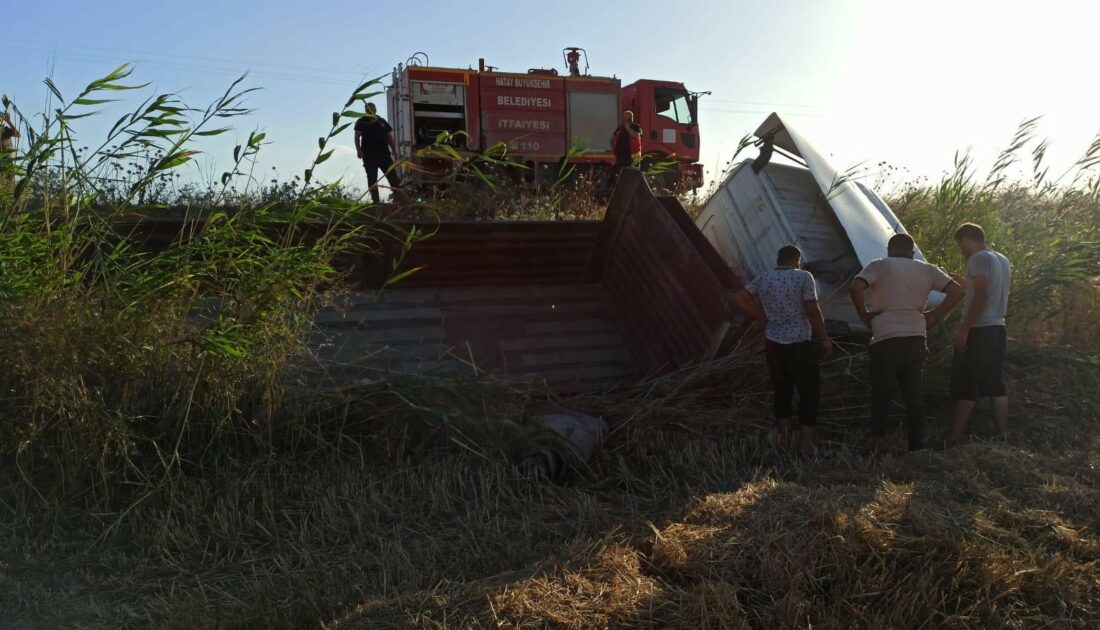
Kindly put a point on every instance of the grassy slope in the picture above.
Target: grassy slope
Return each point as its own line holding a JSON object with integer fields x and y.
{"x": 683, "y": 522}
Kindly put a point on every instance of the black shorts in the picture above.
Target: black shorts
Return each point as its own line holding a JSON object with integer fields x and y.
{"x": 977, "y": 372}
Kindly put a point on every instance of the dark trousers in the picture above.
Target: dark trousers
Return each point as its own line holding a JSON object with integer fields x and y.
{"x": 794, "y": 366}
{"x": 374, "y": 163}
{"x": 898, "y": 362}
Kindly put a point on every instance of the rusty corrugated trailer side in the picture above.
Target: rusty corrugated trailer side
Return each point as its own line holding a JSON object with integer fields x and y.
{"x": 670, "y": 291}
{"x": 489, "y": 253}
{"x": 514, "y": 298}
{"x": 563, "y": 335}
{"x": 578, "y": 305}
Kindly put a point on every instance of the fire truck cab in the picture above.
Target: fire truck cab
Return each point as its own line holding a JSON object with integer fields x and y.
{"x": 544, "y": 119}
{"x": 668, "y": 115}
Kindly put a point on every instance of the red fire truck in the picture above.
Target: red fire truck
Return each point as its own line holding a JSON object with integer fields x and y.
{"x": 545, "y": 119}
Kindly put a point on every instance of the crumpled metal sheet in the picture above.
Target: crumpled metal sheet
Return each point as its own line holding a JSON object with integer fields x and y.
{"x": 581, "y": 436}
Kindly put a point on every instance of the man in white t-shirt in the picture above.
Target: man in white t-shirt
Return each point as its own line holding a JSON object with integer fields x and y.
{"x": 784, "y": 300}
{"x": 899, "y": 291}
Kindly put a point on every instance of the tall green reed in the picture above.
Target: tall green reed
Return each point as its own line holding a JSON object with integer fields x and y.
{"x": 126, "y": 365}
{"x": 1049, "y": 228}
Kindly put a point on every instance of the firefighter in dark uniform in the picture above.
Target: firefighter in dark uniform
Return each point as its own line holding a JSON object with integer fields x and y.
{"x": 373, "y": 143}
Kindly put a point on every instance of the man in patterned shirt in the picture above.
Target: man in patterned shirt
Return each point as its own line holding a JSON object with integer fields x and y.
{"x": 784, "y": 301}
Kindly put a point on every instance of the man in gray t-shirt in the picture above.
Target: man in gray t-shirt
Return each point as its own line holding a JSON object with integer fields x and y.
{"x": 998, "y": 273}
{"x": 981, "y": 338}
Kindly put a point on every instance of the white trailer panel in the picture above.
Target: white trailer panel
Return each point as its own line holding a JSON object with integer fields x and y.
{"x": 839, "y": 224}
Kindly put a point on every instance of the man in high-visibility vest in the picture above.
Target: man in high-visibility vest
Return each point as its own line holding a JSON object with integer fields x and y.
{"x": 626, "y": 143}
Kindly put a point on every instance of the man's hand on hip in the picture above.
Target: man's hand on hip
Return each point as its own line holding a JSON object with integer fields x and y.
{"x": 930, "y": 319}
{"x": 962, "y": 335}
{"x": 867, "y": 317}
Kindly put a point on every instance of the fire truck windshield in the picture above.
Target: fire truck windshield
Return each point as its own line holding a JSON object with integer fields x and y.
{"x": 673, "y": 104}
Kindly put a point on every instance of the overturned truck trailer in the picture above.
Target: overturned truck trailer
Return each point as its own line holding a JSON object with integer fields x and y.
{"x": 582, "y": 305}
{"x": 579, "y": 305}
{"x": 591, "y": 304}
{"x": 839, "y": 223}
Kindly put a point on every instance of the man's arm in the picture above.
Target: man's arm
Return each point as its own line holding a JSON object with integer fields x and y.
{"x": 392, "y": 143}
{"x": 858, "y": 292}
{"x": 955, "y": 295}
{"x": 359, "y": 143}
{"x": 747, "y": 303}
{"x": 817, "y": 324}
{"x": 634, "y": 129}
{"x": 977, "y": 305}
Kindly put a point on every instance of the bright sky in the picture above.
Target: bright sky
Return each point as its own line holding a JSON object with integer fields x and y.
{"x": 908, "y": 83}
